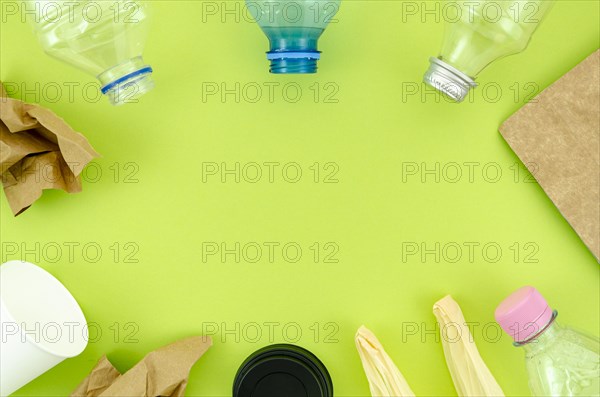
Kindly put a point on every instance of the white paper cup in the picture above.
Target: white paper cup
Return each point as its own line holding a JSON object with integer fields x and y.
{"x": 42, "y": 324}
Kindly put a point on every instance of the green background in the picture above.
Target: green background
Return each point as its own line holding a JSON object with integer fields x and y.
{"x": 370, "y": 58}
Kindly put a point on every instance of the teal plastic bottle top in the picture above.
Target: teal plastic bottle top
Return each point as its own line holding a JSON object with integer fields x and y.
{"x": 293, "y": 29}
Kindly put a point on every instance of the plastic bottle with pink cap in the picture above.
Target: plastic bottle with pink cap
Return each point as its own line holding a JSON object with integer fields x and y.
{"x": 560, "y": 361}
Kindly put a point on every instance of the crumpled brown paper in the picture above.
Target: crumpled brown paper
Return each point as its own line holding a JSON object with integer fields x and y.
{"x": 163, "y": 372}
{"x": 102, "y": 376}
{"x": 469, "y": 373}
{"x": 38, "y": 151}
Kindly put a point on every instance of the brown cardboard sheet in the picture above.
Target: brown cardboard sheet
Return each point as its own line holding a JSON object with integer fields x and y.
{"x": 556, "y": 136}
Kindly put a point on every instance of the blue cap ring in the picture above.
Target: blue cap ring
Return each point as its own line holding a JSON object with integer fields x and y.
{"x": 129, "y": 76}
{"x": 293, "y": 55}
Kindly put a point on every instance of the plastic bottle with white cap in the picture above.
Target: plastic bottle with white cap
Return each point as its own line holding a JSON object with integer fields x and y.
{"x": 560, "y": 361}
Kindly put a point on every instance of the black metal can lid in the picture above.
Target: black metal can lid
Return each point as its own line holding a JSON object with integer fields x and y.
{"x": 282, "y": 370}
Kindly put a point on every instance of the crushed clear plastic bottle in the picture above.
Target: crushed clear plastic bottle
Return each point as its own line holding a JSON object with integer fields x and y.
{"x": 559, "y": 360}
{"x": 562, "y": 362}
{"x": 103, "y": 38}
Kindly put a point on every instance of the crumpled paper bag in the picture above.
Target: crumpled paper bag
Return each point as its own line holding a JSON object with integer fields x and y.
{"x": 163, "y": 372}
{"x": 102, "y": 376}
{"x": 469, "y": 373}
{"x": 38, "y": 151}
{"x": 384, "y": 377}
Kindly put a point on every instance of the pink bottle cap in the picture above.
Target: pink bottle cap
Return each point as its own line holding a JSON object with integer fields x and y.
{"x": 523, "y": 314}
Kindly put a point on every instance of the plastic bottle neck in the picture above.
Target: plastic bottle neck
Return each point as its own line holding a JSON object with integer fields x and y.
{"x": 448, "y": 80}
{"x": 543, "y": 338}
{"x": 127, "y": 81}
{"x": 293, "y": 50}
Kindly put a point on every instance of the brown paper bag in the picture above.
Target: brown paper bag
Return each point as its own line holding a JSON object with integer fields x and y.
{"x": 163, "y": 372}
{"x": 38, "y": 151}
{"x": 557, "y": 137}
{"x": 101, "y": 377}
